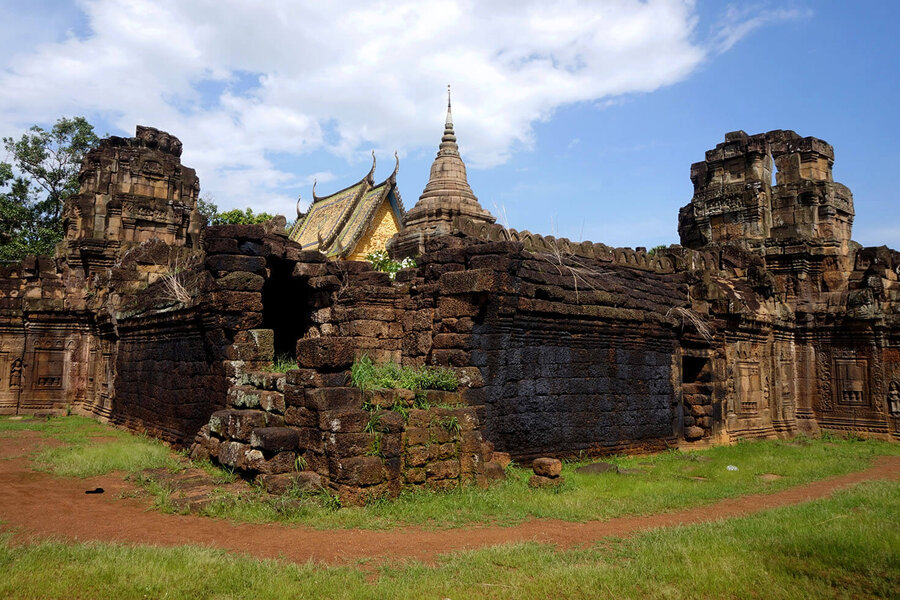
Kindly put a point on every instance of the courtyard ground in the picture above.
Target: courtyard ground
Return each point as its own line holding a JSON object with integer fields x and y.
{"x": 831, "y": 529}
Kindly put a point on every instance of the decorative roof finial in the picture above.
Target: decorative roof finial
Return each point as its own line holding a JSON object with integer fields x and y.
{"x": 371, "y": 175}
{"x": 448, "y": 124}
{"x": 315, "y": 181}
{"x": 299, "y": 214}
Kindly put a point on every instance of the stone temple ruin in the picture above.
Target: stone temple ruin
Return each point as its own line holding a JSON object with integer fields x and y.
{"x": 766, "y": 321}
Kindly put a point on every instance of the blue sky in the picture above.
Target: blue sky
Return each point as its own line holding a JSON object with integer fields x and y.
{"x": 577, "y": 119}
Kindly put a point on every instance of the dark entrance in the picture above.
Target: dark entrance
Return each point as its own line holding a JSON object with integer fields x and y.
{"x": 287, "y": 306}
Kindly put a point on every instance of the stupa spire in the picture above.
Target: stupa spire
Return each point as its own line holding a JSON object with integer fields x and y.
{"x": 446, "y": 196}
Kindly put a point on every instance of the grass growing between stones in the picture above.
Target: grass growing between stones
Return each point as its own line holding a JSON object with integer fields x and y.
{"x": 659, "y": 483}
{"x": 841, "y": 547}
{"x": 90, "y": 449}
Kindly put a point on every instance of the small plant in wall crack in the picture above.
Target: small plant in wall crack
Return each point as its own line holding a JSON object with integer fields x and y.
{"x": 451, "y": 424}
{"x": 300, "y": 463}
{"x": 373, "y": 424}
{"x": 377, "y": 447}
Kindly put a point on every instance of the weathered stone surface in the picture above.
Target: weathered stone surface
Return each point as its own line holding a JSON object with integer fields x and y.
{"x": 547, "y": 467}
{"x": 538, "y": 481}
{"x": 502, "y": 458}
{"x": 596, "y": 468}
{"x": 493, "y": 471}
{"x": 274, "y": 439}
{"x": 358, "y": 471}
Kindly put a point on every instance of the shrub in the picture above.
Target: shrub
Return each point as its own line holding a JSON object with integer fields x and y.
{"x": 380, "y": 261}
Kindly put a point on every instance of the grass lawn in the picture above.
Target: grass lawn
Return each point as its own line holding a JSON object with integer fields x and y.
{"x": 90, "y": 448}
{"x": 847, "y": 546}
{"x": 664, "y": 482}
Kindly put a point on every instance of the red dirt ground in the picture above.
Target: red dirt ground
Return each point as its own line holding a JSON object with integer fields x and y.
{"x": 37, "y": 505}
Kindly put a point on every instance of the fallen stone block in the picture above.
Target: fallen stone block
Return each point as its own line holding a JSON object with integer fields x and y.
{"x": 538, "y": 481}
{"x": 596, "y": 468}
{"x": 547, "y": 467}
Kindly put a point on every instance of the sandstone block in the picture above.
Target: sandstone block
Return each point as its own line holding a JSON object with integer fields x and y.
{"x": 274, "y": 439}
{"x": 332, "y": 399}
{"x": 345, "y": 445}
{"x": 493, "y": 471}
{"x": 303, "y": 256}
{"x": 344, "y": 421}
{"x": 329, "y": 353}
{"x": 502, "y": 458}
{"x": 538, "y": 481}
{"x": 226, "y": 263}
{"x": 444, "y": 469}
{"x": 415, "y": 475}
{"x": 693, "y": 433}
{"x": 357, "y": 471}
{"x": 241, "y": 281}
{"x": 231, "y": 454}
{"x": 416, "y": 456}
{"x": 299, "y": 416}
{"x": 416, "y": 436}
{"x": 596, "y": 468}
{"x": 309, "y": 270}
{"x": 547, "y": 467}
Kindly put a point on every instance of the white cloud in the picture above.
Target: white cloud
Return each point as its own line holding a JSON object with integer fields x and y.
{"x": 372, "y": 73}
{"x": 738, "y": 22}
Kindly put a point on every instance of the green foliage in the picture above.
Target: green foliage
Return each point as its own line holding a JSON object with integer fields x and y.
{"x": 382, "y": 262}
{"x": 300, "y": 463}
{"x": 451, "y": 424}
{"x": 376, "y": 448}
{"x": 366, "y": 375}
{"x": 373, "y": 424}
{"x": 209, "y": 209}
{"x": 656, "y": 249}
{"x": 241, "y": 217}
{"x": 34, "y": 186}
{"x": 283, "y": 363}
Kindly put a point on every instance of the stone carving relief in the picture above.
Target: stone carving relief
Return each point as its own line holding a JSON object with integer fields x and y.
{"x": 893, "y": 398}
{"x": 851, "y": 378}
{"x": 15, "y": 375}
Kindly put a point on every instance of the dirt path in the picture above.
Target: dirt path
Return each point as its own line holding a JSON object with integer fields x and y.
{"x": 37, "y": 505}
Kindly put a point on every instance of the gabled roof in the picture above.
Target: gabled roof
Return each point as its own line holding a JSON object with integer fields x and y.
{"x": 334, "y": 224}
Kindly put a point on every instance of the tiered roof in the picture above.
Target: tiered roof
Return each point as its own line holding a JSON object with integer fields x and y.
{"x": 335, "y": 224}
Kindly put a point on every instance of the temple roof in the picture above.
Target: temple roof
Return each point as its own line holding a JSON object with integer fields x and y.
{"x": 334, "y": 224}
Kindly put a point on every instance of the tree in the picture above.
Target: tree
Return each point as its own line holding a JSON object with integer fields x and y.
{"x": 209, "y": 209}
{"x": 33, "y": 188}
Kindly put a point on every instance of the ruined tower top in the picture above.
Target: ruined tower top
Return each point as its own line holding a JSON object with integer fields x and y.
{"x": 131, "y": 190}
{"x": 736, "y": 202}
{"x": 447, "y": 195}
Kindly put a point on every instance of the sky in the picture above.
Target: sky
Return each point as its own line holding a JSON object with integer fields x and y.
{"x": 578, "y": 119}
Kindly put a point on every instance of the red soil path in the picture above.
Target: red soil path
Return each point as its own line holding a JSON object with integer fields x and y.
{"x": 37, "y": 505}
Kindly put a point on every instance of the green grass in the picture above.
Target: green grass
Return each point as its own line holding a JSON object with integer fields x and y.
{"x": 283, "y": 363}
{"x": 366, "y": 375}
{"x": 841, "y": 547}
{"x": 84, "y": 455}
{"x": 666, "y": 486}
{"x": 663, "y": 484}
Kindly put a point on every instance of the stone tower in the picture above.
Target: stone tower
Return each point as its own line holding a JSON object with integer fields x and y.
{"x": 132, "y": 190}
{"x": 447, "y": 195}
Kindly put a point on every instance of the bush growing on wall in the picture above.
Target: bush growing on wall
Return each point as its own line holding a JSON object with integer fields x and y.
{"x": 380, "y": 261}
